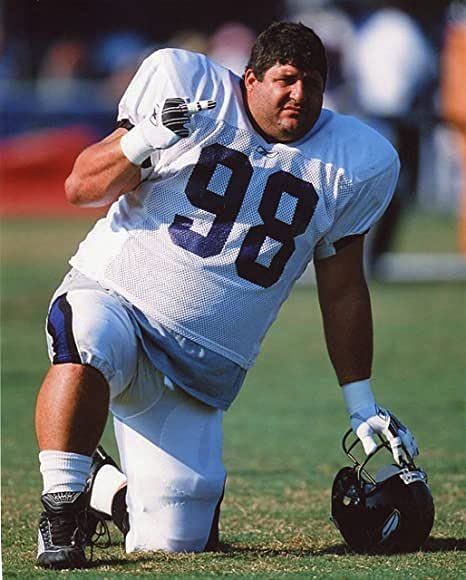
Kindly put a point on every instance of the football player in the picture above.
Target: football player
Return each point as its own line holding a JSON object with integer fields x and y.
{"x": 222, "y": 190}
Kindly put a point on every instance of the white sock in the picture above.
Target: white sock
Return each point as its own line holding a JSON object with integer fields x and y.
{"x": 63, "y": 471}
{"x": 108, "y": 481}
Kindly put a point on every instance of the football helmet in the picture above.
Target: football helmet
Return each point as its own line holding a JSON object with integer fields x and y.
{"x": 392, "y": 511}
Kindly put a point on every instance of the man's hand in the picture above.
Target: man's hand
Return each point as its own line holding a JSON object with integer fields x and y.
{"x": 368, "y": 421}
{"x": 174, "y": 119}
{"x": 168, "y": 123}
{"x": 175, "y": 115}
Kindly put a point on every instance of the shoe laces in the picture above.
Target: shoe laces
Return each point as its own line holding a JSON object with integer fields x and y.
{"x": 101, "y": 531}
{"x": 67, "y": 529}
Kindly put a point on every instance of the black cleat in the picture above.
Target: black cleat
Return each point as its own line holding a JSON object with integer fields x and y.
{"x": 62, "y": 530}
{"x": 119, "y": 512}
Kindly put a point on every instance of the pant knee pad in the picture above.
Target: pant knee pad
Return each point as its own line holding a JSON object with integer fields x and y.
{"x": 172, "y": 456}
{"x": 90, "y": 327}
{"x": 176, "y": 516}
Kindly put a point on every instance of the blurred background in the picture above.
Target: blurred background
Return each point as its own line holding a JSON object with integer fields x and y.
{"x": 398, "y": 65}
{"x": 401, "y": 67}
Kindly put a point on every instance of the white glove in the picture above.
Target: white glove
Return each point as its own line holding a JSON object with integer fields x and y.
{"x": 368, "y": 419}
{"x": 167, "y": 124}
{"x": 371, "y": 420}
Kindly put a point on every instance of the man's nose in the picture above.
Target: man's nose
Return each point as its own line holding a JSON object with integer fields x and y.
{"x": 297, "y": 91}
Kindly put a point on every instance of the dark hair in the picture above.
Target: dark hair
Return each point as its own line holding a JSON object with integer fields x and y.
{"x": 288, "y": 43}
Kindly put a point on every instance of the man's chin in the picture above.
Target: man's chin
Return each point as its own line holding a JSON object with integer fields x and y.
{"x": 293, "y": 127}
{"x": 293, "y": 132}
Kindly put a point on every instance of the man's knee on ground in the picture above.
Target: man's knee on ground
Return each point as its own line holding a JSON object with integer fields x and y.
{"x": 176, "y": 513}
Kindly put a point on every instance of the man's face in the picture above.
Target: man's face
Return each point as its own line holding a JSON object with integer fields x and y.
{"x": 286, "y": 103}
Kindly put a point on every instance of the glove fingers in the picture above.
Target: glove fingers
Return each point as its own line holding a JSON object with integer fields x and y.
{"x": 193, "y": 108}
{"x": 402, "y": 442}
{"x": 371, "y": 420}
{"x": 173, "y": 104}
{"x": 409, "y": 443}
{"x": 397, "y": 450}
{"x": 395, "y": 442}
{"x": 175, "y": 117}
{"x": 365, "y": 435}
{"x": 188, "y": 127}
{"x": 369, "y": 445}
{"x": 404, "y": 447}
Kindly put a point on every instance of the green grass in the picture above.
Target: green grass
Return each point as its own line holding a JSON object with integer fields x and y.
{"x": 282, "y": 436}
{"x": 421, "y": 232}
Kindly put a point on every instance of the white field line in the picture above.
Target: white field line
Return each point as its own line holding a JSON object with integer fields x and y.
{"x": 397, "y": 267}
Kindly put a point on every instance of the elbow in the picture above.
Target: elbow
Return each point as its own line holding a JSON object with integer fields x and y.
{"x": 73, "y": 188}
{"x": 79, "y": 192}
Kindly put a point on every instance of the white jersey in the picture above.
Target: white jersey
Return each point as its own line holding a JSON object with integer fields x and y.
{"x": 212, "y": 242}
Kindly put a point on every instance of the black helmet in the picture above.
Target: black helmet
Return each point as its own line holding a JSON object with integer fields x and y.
{"x": 391, "y": 512}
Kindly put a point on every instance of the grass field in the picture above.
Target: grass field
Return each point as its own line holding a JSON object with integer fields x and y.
{"x": 282, "y": 436}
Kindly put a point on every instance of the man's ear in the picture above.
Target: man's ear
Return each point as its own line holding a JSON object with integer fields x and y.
{"x": 250, "y": 79}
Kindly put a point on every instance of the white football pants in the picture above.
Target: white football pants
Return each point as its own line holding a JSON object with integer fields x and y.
{"x": 170, "y": 444}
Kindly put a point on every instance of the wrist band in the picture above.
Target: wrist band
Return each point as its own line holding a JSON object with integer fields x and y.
{"x": 358, "y": 395}
{"x": 134, "y": 145}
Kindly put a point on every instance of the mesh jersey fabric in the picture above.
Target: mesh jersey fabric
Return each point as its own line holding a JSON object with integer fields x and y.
{"x": 202, "y": 373}
{"x": 212, "y": 242}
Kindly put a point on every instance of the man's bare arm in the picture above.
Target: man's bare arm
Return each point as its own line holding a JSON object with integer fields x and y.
{"x": 101, "y": 173}
{"x": 111, "y": 167}
{"x": 346, "y": 312}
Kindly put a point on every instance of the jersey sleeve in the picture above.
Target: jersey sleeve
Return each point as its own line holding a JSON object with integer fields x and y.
{"x": 146, "y": 89}
{"x": 359, "y": 210}
{"x": 166, "y": 73}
